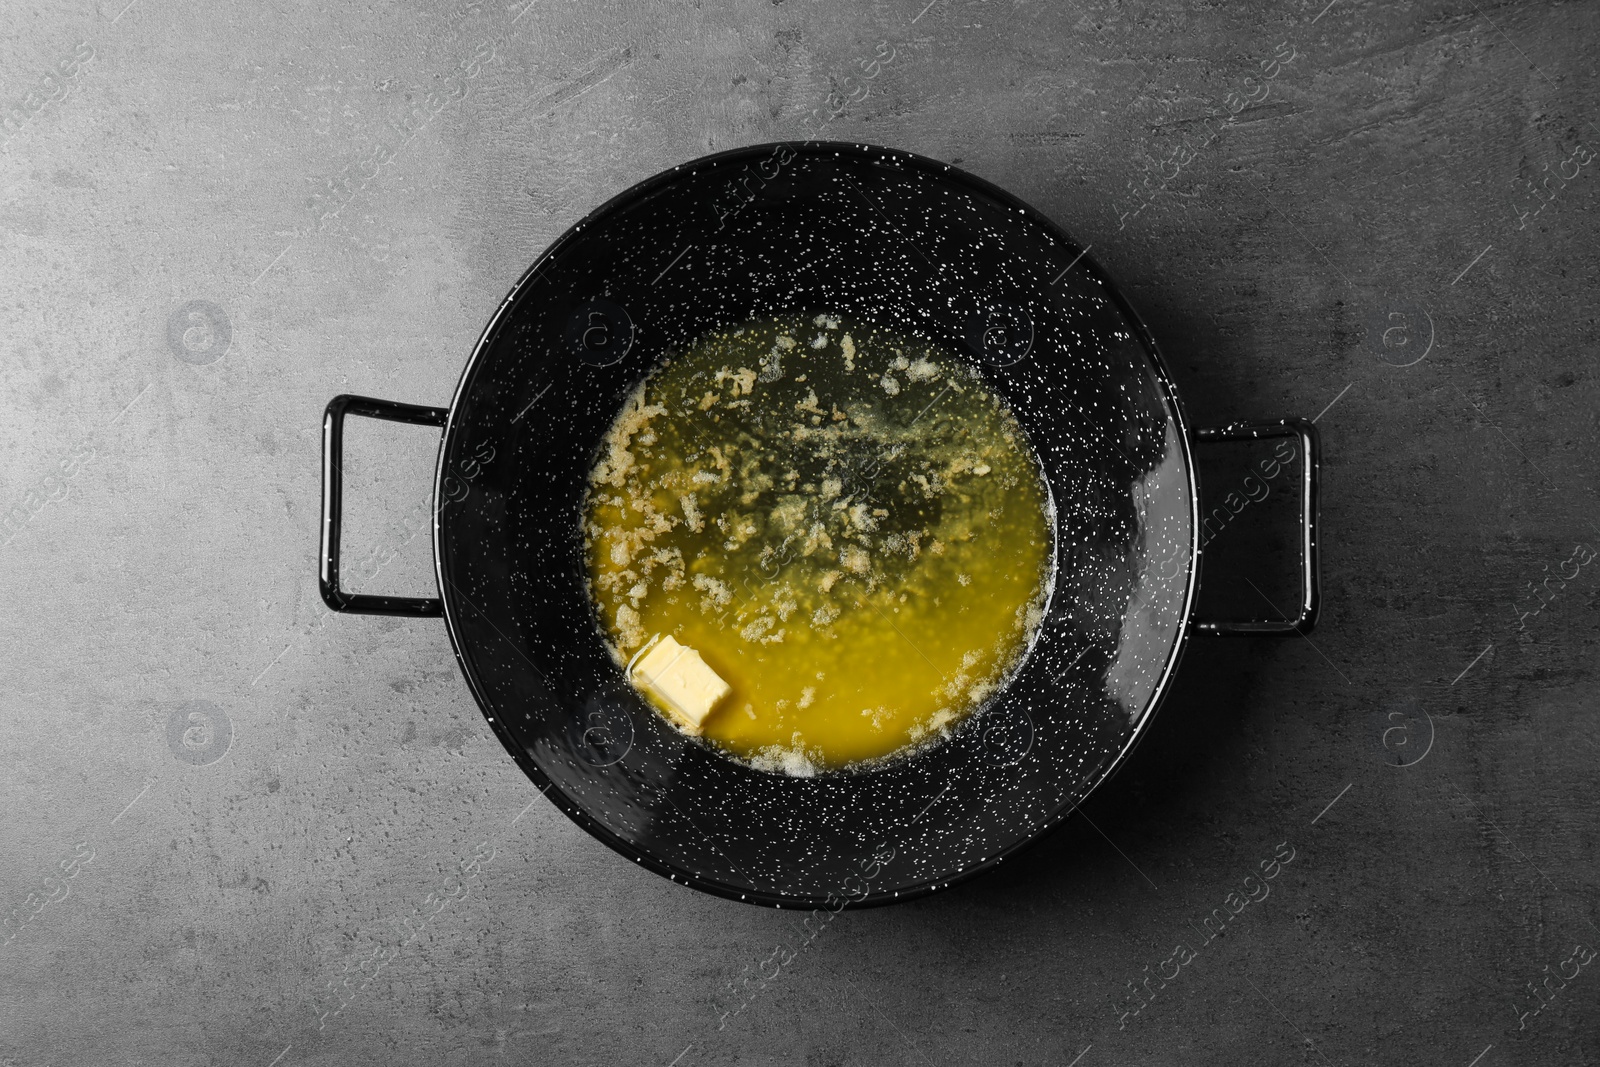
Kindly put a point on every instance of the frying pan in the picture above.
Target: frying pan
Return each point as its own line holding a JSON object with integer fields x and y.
{"x": 885, "y": 237}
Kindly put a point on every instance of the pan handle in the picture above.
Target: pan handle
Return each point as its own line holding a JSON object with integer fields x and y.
{"x": 1310, "y": 491}
{"x": 333, "y": 504}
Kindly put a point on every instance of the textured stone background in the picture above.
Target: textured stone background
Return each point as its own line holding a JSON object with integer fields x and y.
{"x": 249, "y": 796}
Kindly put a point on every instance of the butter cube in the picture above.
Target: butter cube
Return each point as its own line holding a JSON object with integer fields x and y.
{"x": 677, "y": 676}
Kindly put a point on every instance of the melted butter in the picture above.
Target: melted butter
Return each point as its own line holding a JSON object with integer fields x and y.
{"x": 847, "y": 525}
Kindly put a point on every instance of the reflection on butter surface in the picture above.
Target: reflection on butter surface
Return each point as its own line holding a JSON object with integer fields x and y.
{"x": 847, "y": 526}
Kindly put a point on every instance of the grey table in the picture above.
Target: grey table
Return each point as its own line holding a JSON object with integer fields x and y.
{"x": 219, "y": 801}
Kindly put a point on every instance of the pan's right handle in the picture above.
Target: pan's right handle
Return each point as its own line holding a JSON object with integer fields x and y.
{"x": 333, "y": 504}
{"x": 1310, "y": 491}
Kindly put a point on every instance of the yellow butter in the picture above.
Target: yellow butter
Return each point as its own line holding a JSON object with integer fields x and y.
{"x": 677, "y": 676}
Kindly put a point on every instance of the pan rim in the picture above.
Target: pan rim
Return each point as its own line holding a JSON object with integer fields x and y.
{"x": 577, "y": 812}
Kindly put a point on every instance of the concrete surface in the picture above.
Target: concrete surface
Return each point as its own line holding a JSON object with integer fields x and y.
{"x": 219, "y": 803}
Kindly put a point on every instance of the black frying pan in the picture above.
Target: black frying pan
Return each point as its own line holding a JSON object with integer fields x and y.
{"x": 891, "y": 239}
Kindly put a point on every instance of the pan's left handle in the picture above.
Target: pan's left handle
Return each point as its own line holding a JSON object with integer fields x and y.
{"x": 332, "y": 503}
